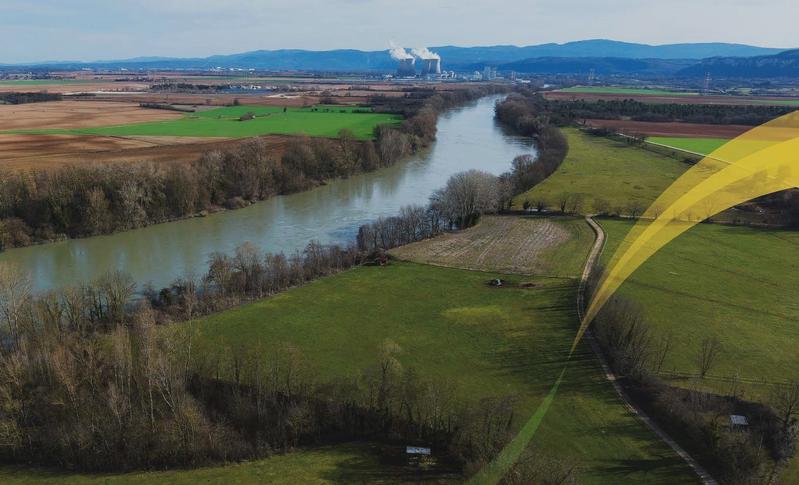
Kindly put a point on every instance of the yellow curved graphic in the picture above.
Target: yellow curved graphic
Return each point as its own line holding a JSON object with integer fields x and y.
{"x": 762, "y": 161}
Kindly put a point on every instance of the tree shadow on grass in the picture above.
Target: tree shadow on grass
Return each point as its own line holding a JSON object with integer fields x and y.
{"x": 372, "y": 465}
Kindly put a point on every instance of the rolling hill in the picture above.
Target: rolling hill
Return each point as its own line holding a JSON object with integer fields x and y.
{"x": 457, "y": 58}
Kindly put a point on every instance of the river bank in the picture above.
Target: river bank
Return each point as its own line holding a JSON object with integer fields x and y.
{"x": 467, "y": 138}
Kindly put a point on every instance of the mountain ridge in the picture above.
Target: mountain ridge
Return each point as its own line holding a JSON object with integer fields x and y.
{"x": 453, "y": 57}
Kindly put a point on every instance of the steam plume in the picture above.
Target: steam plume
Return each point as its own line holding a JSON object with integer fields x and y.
{"x": 425, "y": 53}
{"x": 398, "y": 53}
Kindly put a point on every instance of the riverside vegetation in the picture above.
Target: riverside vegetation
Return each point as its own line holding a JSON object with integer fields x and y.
{"x": 83, "y": 200}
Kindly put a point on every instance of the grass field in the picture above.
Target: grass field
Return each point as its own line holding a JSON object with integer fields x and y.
{"x": 619, "y": 90}
{"x": 602, "y": 169}
{"x": 735, "y": 283}
{"x": 486, "y": 341}
{"x": 696, "y": 145}
{"x": 349, "y": 463}
{"x": 323, "y": 121}
{"x": 522, "y": 245}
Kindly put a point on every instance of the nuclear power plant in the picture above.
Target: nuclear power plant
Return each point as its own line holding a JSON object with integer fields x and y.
{"x": 406, "y": 67}
{"x": 430, "y": 62}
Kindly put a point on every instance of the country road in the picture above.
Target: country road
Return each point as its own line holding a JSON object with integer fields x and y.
{"x": 593, "y": 257}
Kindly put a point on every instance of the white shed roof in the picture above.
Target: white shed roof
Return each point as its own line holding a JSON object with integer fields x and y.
{"x": 738, "y": 420}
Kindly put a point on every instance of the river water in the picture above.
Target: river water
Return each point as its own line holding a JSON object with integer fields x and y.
{"x": 468, "y": 138}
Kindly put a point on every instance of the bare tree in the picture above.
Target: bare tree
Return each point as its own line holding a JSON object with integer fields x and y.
{"x": 785, "y": 401}
{"x": 15, "y": 295}
{"x": 466, "y": 196}
{"x": 601, "y": 206}
{"x": 576, "y": 204}
{"x": 98, "y": 211}
{"x": 115, "y": 290}
{"x": 635, "y": 209}
{"x": 563, "y": 202}
{"x": 664, "y": 346}
{"x": 708, "y": 353}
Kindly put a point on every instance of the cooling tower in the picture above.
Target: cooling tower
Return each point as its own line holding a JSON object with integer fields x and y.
{"x": 431, "y": 67}
{"x": 405, "y": 67}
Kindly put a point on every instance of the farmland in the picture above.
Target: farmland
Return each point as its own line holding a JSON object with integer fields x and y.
{"x": 226, "y": 123}
{"x": 603, "y": 172}
{"x": 52, "y": 134}
{"x": 77, "y": 114}
{"x": 523, "y": 245}
{"x": 622, "y": 90}
{"x": 21, "y": 152}
{"x": 42, "y": 82}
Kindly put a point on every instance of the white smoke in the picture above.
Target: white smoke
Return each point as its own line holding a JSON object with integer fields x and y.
{"x": 398, "y": 53}
{"x": 425, "y": 53}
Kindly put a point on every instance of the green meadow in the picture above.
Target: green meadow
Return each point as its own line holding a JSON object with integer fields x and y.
{"x": 734, "y": 283}
{"x": 487, "y": 342}
{"x": 599, "y": 169}
{"x": 321, "y": 121}
{"x": 696, "y": 145}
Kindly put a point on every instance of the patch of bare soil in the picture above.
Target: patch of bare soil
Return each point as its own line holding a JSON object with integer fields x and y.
{"x": 23, "y": 152}
{"x": 77, "y": 114}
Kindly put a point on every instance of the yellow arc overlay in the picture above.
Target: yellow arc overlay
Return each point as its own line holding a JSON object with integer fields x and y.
{"x": 761, "y": 161}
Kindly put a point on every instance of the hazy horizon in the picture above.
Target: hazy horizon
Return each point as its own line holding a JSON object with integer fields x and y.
{"x": 91, "y": 30}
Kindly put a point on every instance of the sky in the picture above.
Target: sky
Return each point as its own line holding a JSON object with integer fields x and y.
{"x": 39, "y": 30}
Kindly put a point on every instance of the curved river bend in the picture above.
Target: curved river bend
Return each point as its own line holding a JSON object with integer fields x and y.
{"x": 467, "y": 138}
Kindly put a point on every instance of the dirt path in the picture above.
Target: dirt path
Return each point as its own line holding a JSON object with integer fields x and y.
{"x": 593, "y": 257}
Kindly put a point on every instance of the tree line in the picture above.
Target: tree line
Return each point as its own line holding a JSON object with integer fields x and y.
{"x": 567, "y": 112}
{"x": 87, "y": 200}
{"x": 24, "y": 98}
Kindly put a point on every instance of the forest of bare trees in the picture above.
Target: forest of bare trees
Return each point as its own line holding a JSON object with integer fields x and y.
{"x": 92, "y": 380}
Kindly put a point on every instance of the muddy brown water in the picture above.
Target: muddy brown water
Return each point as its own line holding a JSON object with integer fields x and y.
{"x": 468, "y": 138}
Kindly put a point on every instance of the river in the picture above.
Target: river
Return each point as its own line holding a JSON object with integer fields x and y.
{"x": 468, "y": 138}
